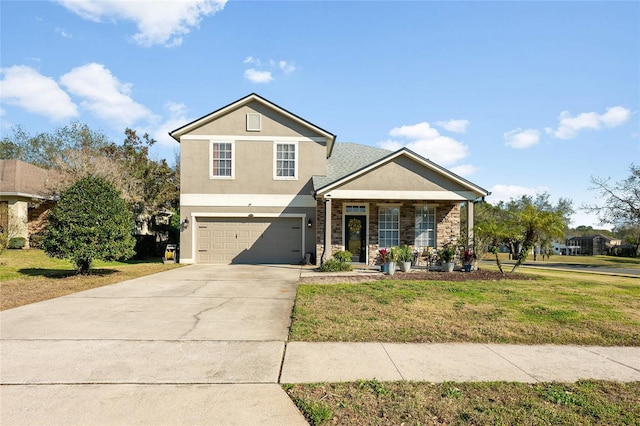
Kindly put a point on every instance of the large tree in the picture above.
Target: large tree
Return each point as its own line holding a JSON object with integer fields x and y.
{"x": 620, "y": 201}
{"x": 90, "y": 221}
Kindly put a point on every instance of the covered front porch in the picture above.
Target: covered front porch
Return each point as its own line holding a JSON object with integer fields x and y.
{"x": 363, "y": 226}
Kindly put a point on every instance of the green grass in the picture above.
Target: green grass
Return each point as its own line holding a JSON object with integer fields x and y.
{"x": 28, "y": 276}
{"x": 586, "y": 402}
{"x": 554, "y": 308}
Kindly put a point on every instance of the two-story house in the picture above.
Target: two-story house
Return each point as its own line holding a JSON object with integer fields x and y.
{"x": 259, "y": 184}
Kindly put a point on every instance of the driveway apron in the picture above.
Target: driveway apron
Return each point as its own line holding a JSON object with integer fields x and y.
{"x": 199, "y": 344}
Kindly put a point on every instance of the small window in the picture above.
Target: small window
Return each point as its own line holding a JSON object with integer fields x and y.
{"x": 286, "y": 161}
{"x": 388, "y": 227}
{"x": 254, "y": 122}
{"x": 356, "y": 209}
{"x": 222, "y": 160}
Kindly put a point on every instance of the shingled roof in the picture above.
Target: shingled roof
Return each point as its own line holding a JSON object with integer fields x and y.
{"x": 346, "y": 159}
{"x": 21, "y": 179}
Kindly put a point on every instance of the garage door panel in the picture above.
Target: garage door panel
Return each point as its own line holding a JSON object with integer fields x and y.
{"x": 249, "y": 240}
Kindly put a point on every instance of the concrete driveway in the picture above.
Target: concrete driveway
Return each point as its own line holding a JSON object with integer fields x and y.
{"x": 195, "y": 345}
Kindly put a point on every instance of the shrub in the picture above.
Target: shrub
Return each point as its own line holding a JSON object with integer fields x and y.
{"x": 16, "y": 243}
{"x": 341, "y": 261}
{"x": 90, "y": 221}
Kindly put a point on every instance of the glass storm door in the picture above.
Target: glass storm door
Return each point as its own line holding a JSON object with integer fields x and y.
{"x": 356, "y": 237}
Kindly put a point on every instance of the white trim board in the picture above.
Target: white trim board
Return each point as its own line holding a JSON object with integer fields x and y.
{"x": 252, "y": 138}
{"x": 247, "y": 200}
{"x": 346, "y": 194}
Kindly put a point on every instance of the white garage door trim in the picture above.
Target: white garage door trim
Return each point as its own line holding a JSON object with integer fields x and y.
{"x": 196, "y": 215}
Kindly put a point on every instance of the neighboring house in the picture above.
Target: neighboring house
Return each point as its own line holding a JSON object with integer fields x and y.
{"x": 594, "y": 245}
{"x": 565, "y": 249}
{"x": 24, "y": 198}
{"x": 260, "y": 184}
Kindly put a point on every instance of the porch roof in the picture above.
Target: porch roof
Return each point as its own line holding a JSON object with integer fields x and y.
{"x": 352, "y": 161}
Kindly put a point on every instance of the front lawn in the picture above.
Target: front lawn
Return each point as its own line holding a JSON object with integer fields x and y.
{"x": 28, "y": 276}
{"x": 370, "y": 402}
{"x": 548, "y": 308}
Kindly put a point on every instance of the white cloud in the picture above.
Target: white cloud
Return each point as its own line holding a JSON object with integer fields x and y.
{"x": 286, "y": 67}
{"x": 177, "y": 117}
{"x": 26, "y": 88}
{"x": 428, "y": 142}
{"x": 521, "y": 139}
{"x": 104, "y": 95}
{"x": 506, "y": 192}
{"x": 160, "y": 22}
{"x": 63, "y": 33}
{"x": 464, "y": 170}
{"x": 263, "y": 71}
{"x": 568, "y": 126}
{"x": 256, "y": 76}
{"x": 456, "y": 126}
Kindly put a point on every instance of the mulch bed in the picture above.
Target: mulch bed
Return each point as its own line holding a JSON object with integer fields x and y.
{"x": 480, "y": 275}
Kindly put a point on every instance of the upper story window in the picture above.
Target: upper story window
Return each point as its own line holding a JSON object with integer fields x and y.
{"x": 222, "y": 160}
{"x": 388, "y": 226}
{"x": 285, "y": 157}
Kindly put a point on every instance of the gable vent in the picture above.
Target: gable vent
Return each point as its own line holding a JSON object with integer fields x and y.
{"x": 253, "y": 122}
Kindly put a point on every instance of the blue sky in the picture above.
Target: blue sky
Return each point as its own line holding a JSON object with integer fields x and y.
{"x": 518, "y": 97}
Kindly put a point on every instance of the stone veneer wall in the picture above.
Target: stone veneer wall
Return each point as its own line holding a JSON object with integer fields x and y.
{"x": 447, "y": 228}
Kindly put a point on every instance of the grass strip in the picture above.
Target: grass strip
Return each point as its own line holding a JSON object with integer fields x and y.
{"x": 369, "y": 402}
{"x": 555, "y": 308}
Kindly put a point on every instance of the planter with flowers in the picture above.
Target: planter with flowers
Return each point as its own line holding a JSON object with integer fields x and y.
{"x": 405, "y": 258}
{"x": 382, "y": 259}
{"x": 447, "y": 257}
{"x": 469, "y": 259}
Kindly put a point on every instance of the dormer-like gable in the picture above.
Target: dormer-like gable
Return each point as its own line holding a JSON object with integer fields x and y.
{"x": 254, "y": 115}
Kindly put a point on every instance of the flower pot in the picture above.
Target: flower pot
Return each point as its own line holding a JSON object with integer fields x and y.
{"x": 391, "y": 268}
{"x": 467, "y": 267}
{"x": 384, "y": 268}
{"x": 447, "y": 266}
{"x": 405, "y": 266}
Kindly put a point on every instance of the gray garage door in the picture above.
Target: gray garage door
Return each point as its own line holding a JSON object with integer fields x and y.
{"x": 223, "y": 240}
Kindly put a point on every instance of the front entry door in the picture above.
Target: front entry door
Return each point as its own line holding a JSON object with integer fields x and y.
{"x": 355, "y": 237}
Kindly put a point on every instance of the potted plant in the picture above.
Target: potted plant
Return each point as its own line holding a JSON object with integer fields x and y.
{"x": 392, "y": 259}
{"x": 382, "y": 259}
{"x": 447, "y": 255}
{"x": 468, "y": 258}
{"x": 406, "y": 256}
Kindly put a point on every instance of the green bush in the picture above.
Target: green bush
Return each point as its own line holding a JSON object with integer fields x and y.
{"x": 16, "y": 243}
{"x": 341, "y": 261}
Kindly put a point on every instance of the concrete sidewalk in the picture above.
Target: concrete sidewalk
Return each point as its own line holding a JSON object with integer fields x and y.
{"x": 338, "y": 362}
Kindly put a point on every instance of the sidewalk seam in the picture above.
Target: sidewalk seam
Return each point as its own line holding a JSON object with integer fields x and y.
{"x": 609, "y": 359}
{"x": 392, "y": 362}
{"x": 512, "y": 363}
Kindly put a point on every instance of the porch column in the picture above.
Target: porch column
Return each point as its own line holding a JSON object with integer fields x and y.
{"x": 327, "y": 229}
{"x": 470, "y": 237}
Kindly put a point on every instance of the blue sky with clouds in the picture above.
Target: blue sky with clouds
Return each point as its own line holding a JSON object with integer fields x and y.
{"x": 518, "y": 97}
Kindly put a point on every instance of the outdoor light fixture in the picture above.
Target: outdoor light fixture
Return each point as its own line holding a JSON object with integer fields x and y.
{"x": 185, "y": 222}
{"x": 309, "y": 224}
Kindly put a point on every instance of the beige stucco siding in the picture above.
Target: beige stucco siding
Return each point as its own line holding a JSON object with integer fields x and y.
{"x": 273, "y": 124}
{"x": 401, "y": 174}
{"x": 254, "y": 168}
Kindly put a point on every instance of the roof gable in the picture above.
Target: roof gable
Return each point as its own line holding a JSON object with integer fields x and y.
{"x": 254, "y": 98}
{"x": 358, "y": 170}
